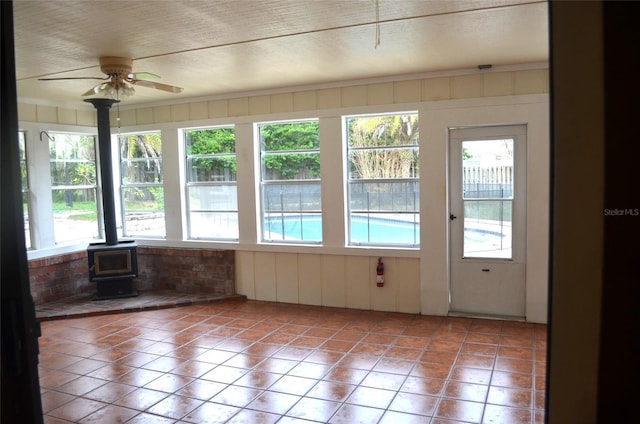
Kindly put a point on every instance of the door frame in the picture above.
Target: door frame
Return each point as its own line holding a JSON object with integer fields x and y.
{"x": 455, "y": 206}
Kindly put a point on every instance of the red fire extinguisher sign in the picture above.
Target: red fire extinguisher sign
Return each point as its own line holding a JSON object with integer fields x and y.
{"x": 380, "y": 273}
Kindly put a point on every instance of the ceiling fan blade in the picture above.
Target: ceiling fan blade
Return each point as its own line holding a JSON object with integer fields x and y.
{"x": 97, "y": 89}
{"x": 72, "y": 78}
{"x": 141, "y": 75}
{"x": 157, "y": 85}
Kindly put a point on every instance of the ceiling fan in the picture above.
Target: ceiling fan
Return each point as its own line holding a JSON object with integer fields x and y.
{"x": 119, "y": 79}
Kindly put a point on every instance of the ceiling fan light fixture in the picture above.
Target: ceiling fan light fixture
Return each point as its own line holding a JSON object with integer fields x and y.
{"x": 116, "y": 91}
{"x": 119, "y": 80}
{"x": 127, "y": 90}
{"x": 109, "y": 91}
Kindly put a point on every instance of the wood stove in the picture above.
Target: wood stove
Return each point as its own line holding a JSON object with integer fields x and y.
{"x": 113, "y": 264}
{"x": 113, "y": 268}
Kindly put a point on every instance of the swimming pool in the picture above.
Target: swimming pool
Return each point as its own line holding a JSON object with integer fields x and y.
{"x": 364, "y": 230}
{"x": 367, "y": 230}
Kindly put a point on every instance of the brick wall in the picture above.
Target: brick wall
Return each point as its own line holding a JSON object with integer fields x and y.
{"x": 57, "y": 277}
{"x": 162, "y": 268}
{"x": 186, "y": 270}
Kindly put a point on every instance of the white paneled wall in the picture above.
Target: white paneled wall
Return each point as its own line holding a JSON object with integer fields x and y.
{"x": 430, "y": 88}
{"x": 310, "y": 287}
{"x": 329, "y": 280}
{"x": 265, "y": 278}
{"x": 287, "y": 275}
{"x": 359, "y": 283}
{"x": 334, "y": 274}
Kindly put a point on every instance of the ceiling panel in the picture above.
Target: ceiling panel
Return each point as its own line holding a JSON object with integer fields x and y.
{"x": 219, "y": 47}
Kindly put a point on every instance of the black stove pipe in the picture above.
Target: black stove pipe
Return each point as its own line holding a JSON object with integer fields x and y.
{"x": 104, "y": 146}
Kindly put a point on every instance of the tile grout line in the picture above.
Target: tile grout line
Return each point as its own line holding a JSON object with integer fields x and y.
{"x": 238, "y": 314}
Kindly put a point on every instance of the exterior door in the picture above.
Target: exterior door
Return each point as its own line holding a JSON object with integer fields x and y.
{"x": 487, "y": 220}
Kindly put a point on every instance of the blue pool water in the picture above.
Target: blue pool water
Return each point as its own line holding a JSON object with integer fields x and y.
{"x": 363, "y": 230}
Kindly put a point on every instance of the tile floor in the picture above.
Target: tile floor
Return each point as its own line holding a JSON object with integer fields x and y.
{"x": 260, "y": 362}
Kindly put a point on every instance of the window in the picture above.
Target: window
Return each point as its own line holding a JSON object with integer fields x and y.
{"x": 25, "y": 187}
{"x": 141, "y": 184}
{"x": 72, "y": 160}
{"x": 212, "y": 192}
{"x": 290, "y": 182}
{"x": 488, "y": 197}
{"x": 383, "y": 180}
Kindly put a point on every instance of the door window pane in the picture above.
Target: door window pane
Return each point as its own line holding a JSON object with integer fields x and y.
{"x": 487, "y": 187}
{"x": 487, "y": 228}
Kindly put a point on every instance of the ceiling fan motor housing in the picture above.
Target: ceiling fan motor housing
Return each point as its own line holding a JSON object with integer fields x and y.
{"x": 120, "y": 66}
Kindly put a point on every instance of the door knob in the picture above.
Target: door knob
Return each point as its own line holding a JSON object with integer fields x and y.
{"x": 452, "y": 217}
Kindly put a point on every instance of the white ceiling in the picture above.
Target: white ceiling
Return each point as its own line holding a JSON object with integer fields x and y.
{"x": 214, "y": 48}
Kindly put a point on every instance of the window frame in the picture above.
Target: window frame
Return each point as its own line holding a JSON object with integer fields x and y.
{"x": 264, "y": 183}
{"x": 379, "y": 215}
{"x": 96, "y": 187}
{"x": 211, "y": 183}
{"x": 123, "y": 186}
{"x": 25, "y": 188}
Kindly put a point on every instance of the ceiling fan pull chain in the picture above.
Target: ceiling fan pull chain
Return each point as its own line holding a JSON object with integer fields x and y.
{"x": 377, "y": 24}
{"x": 118, "y": 110}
